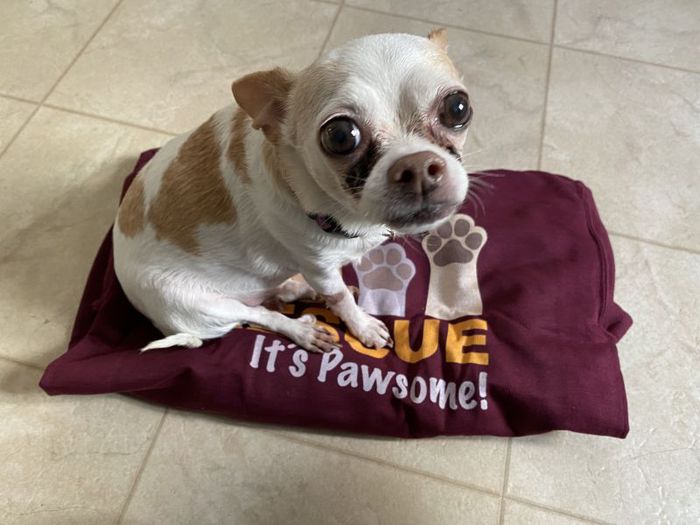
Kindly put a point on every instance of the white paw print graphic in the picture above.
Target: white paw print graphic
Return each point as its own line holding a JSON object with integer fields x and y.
{"x": 383, "y": 275}
{"x": 453, "y": 250}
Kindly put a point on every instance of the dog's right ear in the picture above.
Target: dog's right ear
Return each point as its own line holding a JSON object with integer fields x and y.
{"x": 263, "y": 96}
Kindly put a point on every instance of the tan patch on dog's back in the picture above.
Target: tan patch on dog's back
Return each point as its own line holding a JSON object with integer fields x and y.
{"x": 192, "y": 192}
{"x": 236, "y": 148}
{"x": 132, "y": 212}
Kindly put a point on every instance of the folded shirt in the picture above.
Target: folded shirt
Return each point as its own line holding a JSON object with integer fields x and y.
{"x": 503, "y": 320}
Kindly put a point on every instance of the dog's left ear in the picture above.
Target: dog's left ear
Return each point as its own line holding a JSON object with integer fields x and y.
{"x": 439, "y": 38}
{"x": 263, "y": 96}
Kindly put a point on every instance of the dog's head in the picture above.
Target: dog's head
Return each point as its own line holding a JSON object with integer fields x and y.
{"x": 375, "y": 128}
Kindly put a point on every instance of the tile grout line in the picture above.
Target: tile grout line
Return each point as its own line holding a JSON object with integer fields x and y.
{"x": 347, "y": 453}
{"x": 330, "y": 30}
{"x": 506, "y": 475}
{"x": 81, "y": 51}
{"x": 434, "y": 477}
{"x": 61, "y": 77}
{"x": 22, "y": 363}
{"x": 340, "y": 5}
{"x": 627, "y": 59}
{"x": 386, "y": 464}
{"x": 521, "y": 39}
{"x": 503, "y": 497}
{"x": 142, "y": 467}
{"x": 19, "y": 131}
{"x": 548, "y": 78}
{"x": 446, "y": 25}
{"x": 691, "y": 251}
{"x": 109, "y": 119}
{"x": 17, "y": 99}
{"x": 554, "y": 510}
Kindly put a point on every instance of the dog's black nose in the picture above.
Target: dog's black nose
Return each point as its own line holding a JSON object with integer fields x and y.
{"x": 418, "y": 172}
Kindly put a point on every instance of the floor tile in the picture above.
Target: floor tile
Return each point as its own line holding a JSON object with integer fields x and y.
{"x": 652, "y": 476}
{"x": 12, "y": 115}
{"x": 520, "y": 18}
{"x": 38, "y": 40}
{"x": 224, "y": 473}
{"x": 520, "y": 514}
{"x": 477, "y": 461}
{"x": 59, "y": 187}
{"x": 630, "y": 131}
{"x": 170, "y": 65}
{"x": 660, "y": 31}
{"x": 66, "y": 460}
{"x": 505, "y": 80}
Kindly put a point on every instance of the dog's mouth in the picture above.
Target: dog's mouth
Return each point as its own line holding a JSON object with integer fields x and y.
{"x": 427, "y": 214}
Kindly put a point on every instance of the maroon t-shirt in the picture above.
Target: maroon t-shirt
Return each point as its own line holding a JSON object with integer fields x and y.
{"x": 503, "y": 320}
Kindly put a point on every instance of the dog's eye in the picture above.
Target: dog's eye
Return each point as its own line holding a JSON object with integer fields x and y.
{"x": 340, "y": 136}
{"x": 455, "y": 112}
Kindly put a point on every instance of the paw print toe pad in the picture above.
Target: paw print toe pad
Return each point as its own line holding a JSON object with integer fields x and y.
{"x": 404, "y": 271}
{"x": 461, "y": 227}
{"x": 386, "y": 268}
{"x": 393, "y": 257}
{"x": 453, "y": 243}
{"x": 473, "y": 240}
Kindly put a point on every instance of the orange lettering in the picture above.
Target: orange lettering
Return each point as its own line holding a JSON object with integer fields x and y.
{"x": 457, "y": 341}
{"x": 429, "y": 345}
{"x": 323, "y": 313}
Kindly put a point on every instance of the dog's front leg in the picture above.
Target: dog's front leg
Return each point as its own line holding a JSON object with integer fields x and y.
{"x": 330, "y": 286}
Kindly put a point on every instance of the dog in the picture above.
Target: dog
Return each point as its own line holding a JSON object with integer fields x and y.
{"x": 271, "y": 196}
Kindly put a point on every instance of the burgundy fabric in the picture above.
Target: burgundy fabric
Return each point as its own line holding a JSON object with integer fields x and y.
{"x": 545, "y": 276}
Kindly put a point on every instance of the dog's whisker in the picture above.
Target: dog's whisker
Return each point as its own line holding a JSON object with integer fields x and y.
{"x": 480, "y": 184}
{"x": 480, "y": 202}
{"x": 470, "y": 153}
{"x": 474, "y": 195}
{"x": 403, "y": 241}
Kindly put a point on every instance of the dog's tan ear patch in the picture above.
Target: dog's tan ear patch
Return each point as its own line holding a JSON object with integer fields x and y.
{"x": 263, "y": 96}
{"x": 439, "y": 37}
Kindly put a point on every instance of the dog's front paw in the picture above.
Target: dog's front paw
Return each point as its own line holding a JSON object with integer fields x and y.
{"x": 371, "y": 332}
{"x": 311, "y": 336}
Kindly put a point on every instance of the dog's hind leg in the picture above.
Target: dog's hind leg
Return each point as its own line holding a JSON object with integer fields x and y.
{"x": 293, "y": 289}
{"x": 209, "y": 316}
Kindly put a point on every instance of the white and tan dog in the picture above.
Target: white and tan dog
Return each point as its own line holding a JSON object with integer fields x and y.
{"x": 307, "y": 174}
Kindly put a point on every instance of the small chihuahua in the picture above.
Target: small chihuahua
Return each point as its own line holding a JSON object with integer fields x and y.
{"x": 267, "y": 200}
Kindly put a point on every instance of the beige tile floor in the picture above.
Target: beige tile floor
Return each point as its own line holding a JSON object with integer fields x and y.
{"x": 606, "y": 91}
